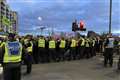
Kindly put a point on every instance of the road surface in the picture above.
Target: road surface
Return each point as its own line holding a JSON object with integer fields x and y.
{"x": 91, "y": 69}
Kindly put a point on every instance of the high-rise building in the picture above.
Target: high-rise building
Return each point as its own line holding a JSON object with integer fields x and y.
{"x": 8, "y": 18}
{"x": 8, "y": 25}
{"x": 14, "y": 21}
{"x": 2, "y": 12}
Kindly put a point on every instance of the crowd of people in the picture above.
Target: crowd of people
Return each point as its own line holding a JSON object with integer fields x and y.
{"x": 40, "y": 49}
{"x": 49, "y": 49}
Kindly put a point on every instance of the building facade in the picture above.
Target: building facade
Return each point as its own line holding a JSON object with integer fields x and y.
{"x": 2, "y": 12}
{"x": 14, "y": 21}
{"x": 8, "y": 18}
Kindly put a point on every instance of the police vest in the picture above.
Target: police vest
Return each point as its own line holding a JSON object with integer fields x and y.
{"x": 73, "y": 44}
{"x": 2, "y": 43}
{"x": 52, "y": 44}
{"x": 119, "y": 43}
{"x": 41, "y": 43}
{"x": 25, "y": 41}
{"x": 83, "y": 42}
{"x": 93, "y": 44}
{"x": 62, "y": 44}
{"x": 87, "y": 43}
{"x": 30, "y": 49}
{"x": 13, "y": 52}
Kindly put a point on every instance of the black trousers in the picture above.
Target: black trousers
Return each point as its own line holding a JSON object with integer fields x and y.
{"x": 28, "y": 63}
{"x": 93, "y": 51}
{"x": 73, "y": 53}
{"x": 47, "y": 59}
{"x": 52, "y": 54}
{"x": 108, "y": 56}
{"x": 77, "y": 52}
{"x": 35, "y": 55}
{"x": 82, "y": 50}
{"x": 42, "y": 55}
{"x": 11, "y": 73}
{"x": 87, "y": 52}
{"x": 29, "y": 67}
{"x": 61, "y": 54}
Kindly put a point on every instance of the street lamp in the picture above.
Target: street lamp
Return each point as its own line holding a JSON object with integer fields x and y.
{"x": 110, "y": 16}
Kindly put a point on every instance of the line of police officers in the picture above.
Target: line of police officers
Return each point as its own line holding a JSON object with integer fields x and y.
{"x": 55, "y": 50}
{"x": 42, "y": 50}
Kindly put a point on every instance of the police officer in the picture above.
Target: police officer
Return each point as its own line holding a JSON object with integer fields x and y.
{"x": 47, "y": 49}
{"x": 28, "y": 46}
{"x": 73, "y": 49}
{"x": 93, "y": 47}
{"x": 10, "y": 58}
{"x": 108, "y": 55}
{"x": 52, "y": 51}
{"x": 77, "y": 54}
{"x": 41, "y": 47}
{"x": 87, "y": 48}
{"x": 35, "y": 50}
{"x": 116, "y": 47}
{"x": 67, "y": 54}
{"x": 58, "y": 55}
{"x": 82, "y": 47}
{"x": 62, "y": 48}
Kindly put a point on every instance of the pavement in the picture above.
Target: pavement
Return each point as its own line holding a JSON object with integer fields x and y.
{"x": 90, "y": 69}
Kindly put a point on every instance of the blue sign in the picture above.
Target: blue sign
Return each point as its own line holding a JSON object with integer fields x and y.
{"x": 14, "y": 48}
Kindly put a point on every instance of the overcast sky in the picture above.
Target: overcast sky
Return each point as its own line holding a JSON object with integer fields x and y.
{"x": 61, "y": 13}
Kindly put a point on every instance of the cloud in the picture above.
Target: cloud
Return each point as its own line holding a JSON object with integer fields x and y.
{"x": 61, "y": 13}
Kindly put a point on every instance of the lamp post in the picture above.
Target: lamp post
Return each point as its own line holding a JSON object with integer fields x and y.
{"x": 110, "y": 17}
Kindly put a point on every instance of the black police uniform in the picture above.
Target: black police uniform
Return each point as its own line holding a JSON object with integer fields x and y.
{"x": 28, "y": 59}
{"x": 35, "y": 52}
{"x": 108, "y": 55}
